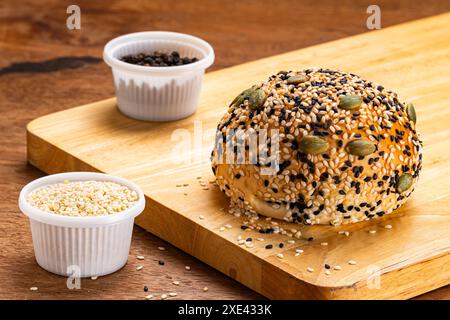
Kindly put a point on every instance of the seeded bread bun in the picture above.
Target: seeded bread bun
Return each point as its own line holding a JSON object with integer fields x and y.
{"x": 347, "y": 151}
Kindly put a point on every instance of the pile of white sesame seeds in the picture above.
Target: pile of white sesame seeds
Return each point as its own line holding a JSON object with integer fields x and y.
{"x": 83, "y": 198}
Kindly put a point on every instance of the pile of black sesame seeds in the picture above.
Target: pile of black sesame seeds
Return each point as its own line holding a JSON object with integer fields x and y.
{"x": 334, "y": 186}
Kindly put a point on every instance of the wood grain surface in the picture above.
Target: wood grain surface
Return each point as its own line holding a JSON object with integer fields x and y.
{"x": 98, "y": 137}
{"x": 46, "y": 68}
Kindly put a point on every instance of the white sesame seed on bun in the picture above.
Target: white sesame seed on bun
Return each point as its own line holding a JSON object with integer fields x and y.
{"x": 346, "y": 149}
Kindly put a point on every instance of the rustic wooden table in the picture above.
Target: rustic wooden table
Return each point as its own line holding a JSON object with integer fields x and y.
{"x": 45, "y": 68}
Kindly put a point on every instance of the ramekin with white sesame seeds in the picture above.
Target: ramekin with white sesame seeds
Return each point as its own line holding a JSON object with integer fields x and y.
{"x": 81, "y": 222}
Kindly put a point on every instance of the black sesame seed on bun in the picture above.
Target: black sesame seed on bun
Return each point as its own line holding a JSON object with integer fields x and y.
{"x": 347, "y": 151}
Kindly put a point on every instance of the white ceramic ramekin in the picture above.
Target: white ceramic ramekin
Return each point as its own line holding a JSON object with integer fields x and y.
{"x": 158, "y": 93}
{"x": 81, "y": 246}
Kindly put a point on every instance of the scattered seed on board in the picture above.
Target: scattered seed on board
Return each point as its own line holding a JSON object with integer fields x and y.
{"x": 309, "y": 269}
{"x": 161, "y": 248}
{"x": 372, "y": 231}
{"x": 172, "y": 294}
{"x": 388, "y": 226}
{"x": 352, "y": 262}
{"x": 177, "y": 283}
{"x": 150, "y": 296}
{"x": 324, "y": 244}
{"x": 205, "y": 289}
{"x": 34, "y": 288}
{"x": 140, "y": 257}
{"x": 280, "y": 255}
{"x": 299, "y": 250}
{"x": 248, "y": 244}
{"x": 291, "y": 241}
{"x": 187, "y": 268}
{"x": 201, "y": 217}
{"x": 94, "y": 278}
{"x": 138, "y": 268}
{"x": 164, "y": 296}
{"x": 337, "y": 268}
{"x": 327, "y": 272}
{"x": 222, "y": 229}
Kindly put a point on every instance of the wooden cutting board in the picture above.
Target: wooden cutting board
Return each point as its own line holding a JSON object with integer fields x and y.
{"x": 407, "y": 260}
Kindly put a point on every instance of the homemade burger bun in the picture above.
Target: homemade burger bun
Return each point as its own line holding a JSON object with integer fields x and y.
{"x": 348, "y": 149}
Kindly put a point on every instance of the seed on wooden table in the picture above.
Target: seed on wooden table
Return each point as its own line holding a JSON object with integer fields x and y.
{"x": 140, "y": 257}
{"x": 324, "y": 244}
{"x": 280, "y": 255}
{"x": 150, "y": 296}
{"x": 94, "y": 278}
{"x": 161, "y": 248}
{"x": 372, "y": 231}
{"x": 187, "y": 268}
{"x": 352, "y": 262}
{"x": 388, "y": 226}
{"x": 327, "y": 272}
{"x": 309, "y": 269}
{"x": 164, "y": 296}
{"x": 337, "y": 268}
{"x": 205, "y": 289}
{"x": 176, "y": 283}
{"x": 138, "y": 268}
{"x": 172, "y": 294}
{"x": 34, "y": 288}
